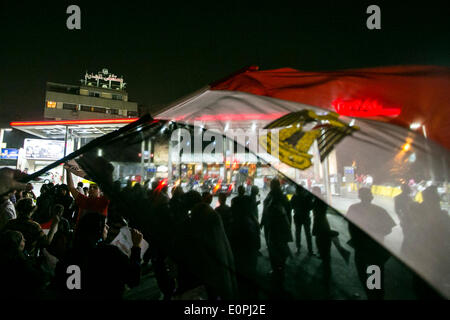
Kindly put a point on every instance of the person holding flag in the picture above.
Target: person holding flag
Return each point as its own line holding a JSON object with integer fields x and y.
{"x": 93, "y": 202}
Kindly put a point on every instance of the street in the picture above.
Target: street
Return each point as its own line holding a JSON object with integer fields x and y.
{"x": 304, "y": 278}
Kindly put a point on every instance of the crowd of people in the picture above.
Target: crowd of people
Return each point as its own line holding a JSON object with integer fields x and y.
{"x": 196, "y": 251}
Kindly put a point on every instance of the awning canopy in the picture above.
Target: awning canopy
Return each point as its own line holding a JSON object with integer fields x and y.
{"x": 92, "y": 128}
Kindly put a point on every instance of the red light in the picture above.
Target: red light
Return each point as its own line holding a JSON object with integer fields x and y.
{"x": 235, "y": 165}
{"x": 236, "y": 117}
{"x": 363, "y": 108}
{"x": 162, "y": 184}
{"x": 70, "y": 122}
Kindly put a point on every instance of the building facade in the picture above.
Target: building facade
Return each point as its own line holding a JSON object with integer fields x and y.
{"x": 100, "y": 96}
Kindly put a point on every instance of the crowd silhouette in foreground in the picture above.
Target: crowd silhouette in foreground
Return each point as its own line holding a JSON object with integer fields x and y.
{"x": 195, "y": 251}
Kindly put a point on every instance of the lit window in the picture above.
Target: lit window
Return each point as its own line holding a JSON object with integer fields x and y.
{"x": 51, "y": 104}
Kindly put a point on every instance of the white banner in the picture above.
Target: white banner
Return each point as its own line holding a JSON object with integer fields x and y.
{"x": 124, "y": 242}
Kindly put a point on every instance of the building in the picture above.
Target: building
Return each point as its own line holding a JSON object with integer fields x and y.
{"x": 74, "y": 115}
{"x": 100, "y": 96}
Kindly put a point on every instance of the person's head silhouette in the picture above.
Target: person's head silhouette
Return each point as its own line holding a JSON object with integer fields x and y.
{"x": 254, "y": 191}
{"x": 222, "y": 198}
{"x": 365, "y": 195}
{"x": 275, "y": 184}
{"x": 241, "y": 190}
{"x": 430, "y": 195}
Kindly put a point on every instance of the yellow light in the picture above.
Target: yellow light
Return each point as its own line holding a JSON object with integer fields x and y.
{"x": 406, "y": 146}
{"x": 51, "y": 104}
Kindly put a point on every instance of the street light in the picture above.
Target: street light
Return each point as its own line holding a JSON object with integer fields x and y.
{"x": 415, "y": 125}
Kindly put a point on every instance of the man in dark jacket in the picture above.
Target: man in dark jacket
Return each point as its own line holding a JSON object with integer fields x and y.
{"x": 302, "y": 203}
{"x": 245, "y": 243}
{"x": 377, "y": 224}
{"x": 276, "y": 221}
{"x": 224, "y": 212}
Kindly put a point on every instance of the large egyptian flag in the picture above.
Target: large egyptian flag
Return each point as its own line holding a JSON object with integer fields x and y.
{"x": 401, "y": 95}
{"x": 341, "y": 122}
{"x": 391, "y": 121}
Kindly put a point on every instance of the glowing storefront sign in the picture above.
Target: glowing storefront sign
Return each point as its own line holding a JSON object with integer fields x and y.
{"x": 363, "y": 108}
{"x": 39, "y": 149}
{"x": 9, "y": 153}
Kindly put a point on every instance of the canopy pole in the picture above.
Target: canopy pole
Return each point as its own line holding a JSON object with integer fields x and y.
{"x": 65, "y": 152}
{"x": 326, "y": 179}
{"x": 169, "y": 164}
{"x": 142, "y": 159}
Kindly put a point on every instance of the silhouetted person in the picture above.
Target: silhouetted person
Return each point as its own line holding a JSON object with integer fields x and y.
{"x": 160, "y": 231}
{"x": 177, "y": 207}
{"x": 7, "y": 210}
{"x": 276, "y": 221}
{"x": 241, "y": 193}
{"x": 403, "y": 203}
{"x": 63, "y": 198}
{"x": 28, "y": 192}
{"x": 369, "y": 223}
{"x": 105, "y": 270}
{"x": 62, "y": 240}
{"x": 322, "y": 232}
{"x": 225, "y": 213}
{"x": 245, "y": 243}
{"x": 302, "y": 203}
{"x": 207, "y": 197}
{"x": 44, "y": 204}
{"x": 35, "y": 237}
{"x": 19, "y": 278}
{"x": 428, "y": 245}
{"x": 254, "y": 196}
{"x": 203, "y": 253}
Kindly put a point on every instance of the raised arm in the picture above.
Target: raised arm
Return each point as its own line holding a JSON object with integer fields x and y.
{"x": 70, "y": 184}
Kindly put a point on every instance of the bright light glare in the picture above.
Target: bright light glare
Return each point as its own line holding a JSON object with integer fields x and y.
{"x": 415, "y": 126}
{"x": 406, "y": 146}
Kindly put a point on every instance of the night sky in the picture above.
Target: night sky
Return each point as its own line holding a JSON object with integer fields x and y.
{"x": 167, "y": 49}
